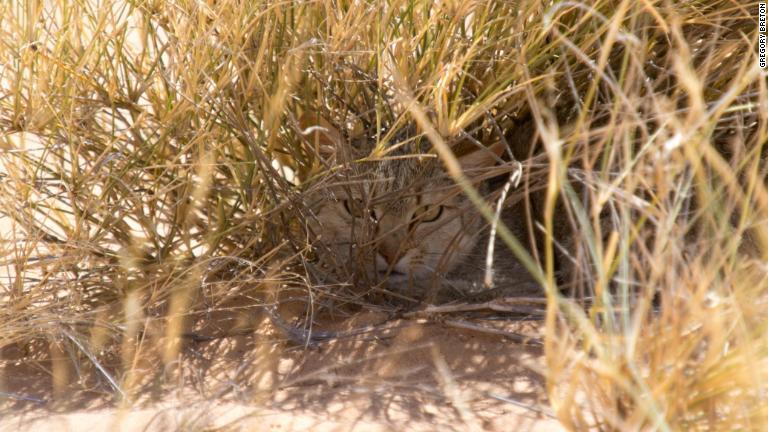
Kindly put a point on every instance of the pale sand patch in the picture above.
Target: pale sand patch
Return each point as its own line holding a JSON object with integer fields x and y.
{"x": 243, "y": 417}
{"x": 389, "y": 381}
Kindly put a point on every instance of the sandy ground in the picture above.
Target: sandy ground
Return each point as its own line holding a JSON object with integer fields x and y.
{"x": 412, "y": 374}
{"x": 418, "y": 377}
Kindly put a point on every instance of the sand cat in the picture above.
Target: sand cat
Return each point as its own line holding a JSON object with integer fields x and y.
{"x": 400, "y": 221}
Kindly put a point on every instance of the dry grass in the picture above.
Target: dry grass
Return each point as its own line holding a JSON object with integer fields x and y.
{"x": 153, "y": 164}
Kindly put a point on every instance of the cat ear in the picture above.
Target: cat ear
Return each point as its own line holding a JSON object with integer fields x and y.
{"x": 321, "y": 133}
{"x": 482, "y": 158}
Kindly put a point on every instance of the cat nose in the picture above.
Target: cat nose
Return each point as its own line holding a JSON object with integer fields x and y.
{"x": 389, "y": 254}
{"x": 390, "y": 266}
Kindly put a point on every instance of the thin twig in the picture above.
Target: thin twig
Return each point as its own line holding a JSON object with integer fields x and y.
{"x": 92, "y": 358}
{"x": 514, "y": 177}
{"x": 516, "y": 337}
{"x": 21, "y": 397}
{"x": 498, "y": 305}
{"x": 530, "y": 407}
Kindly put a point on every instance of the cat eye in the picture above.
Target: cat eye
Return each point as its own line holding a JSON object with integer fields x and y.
{"x": 428, "y": 213}
{"x": 356, "y": 208}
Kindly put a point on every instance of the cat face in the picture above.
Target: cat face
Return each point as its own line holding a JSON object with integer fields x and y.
{"x": 410, "y": 233}
{"x": 400, "y": 221}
